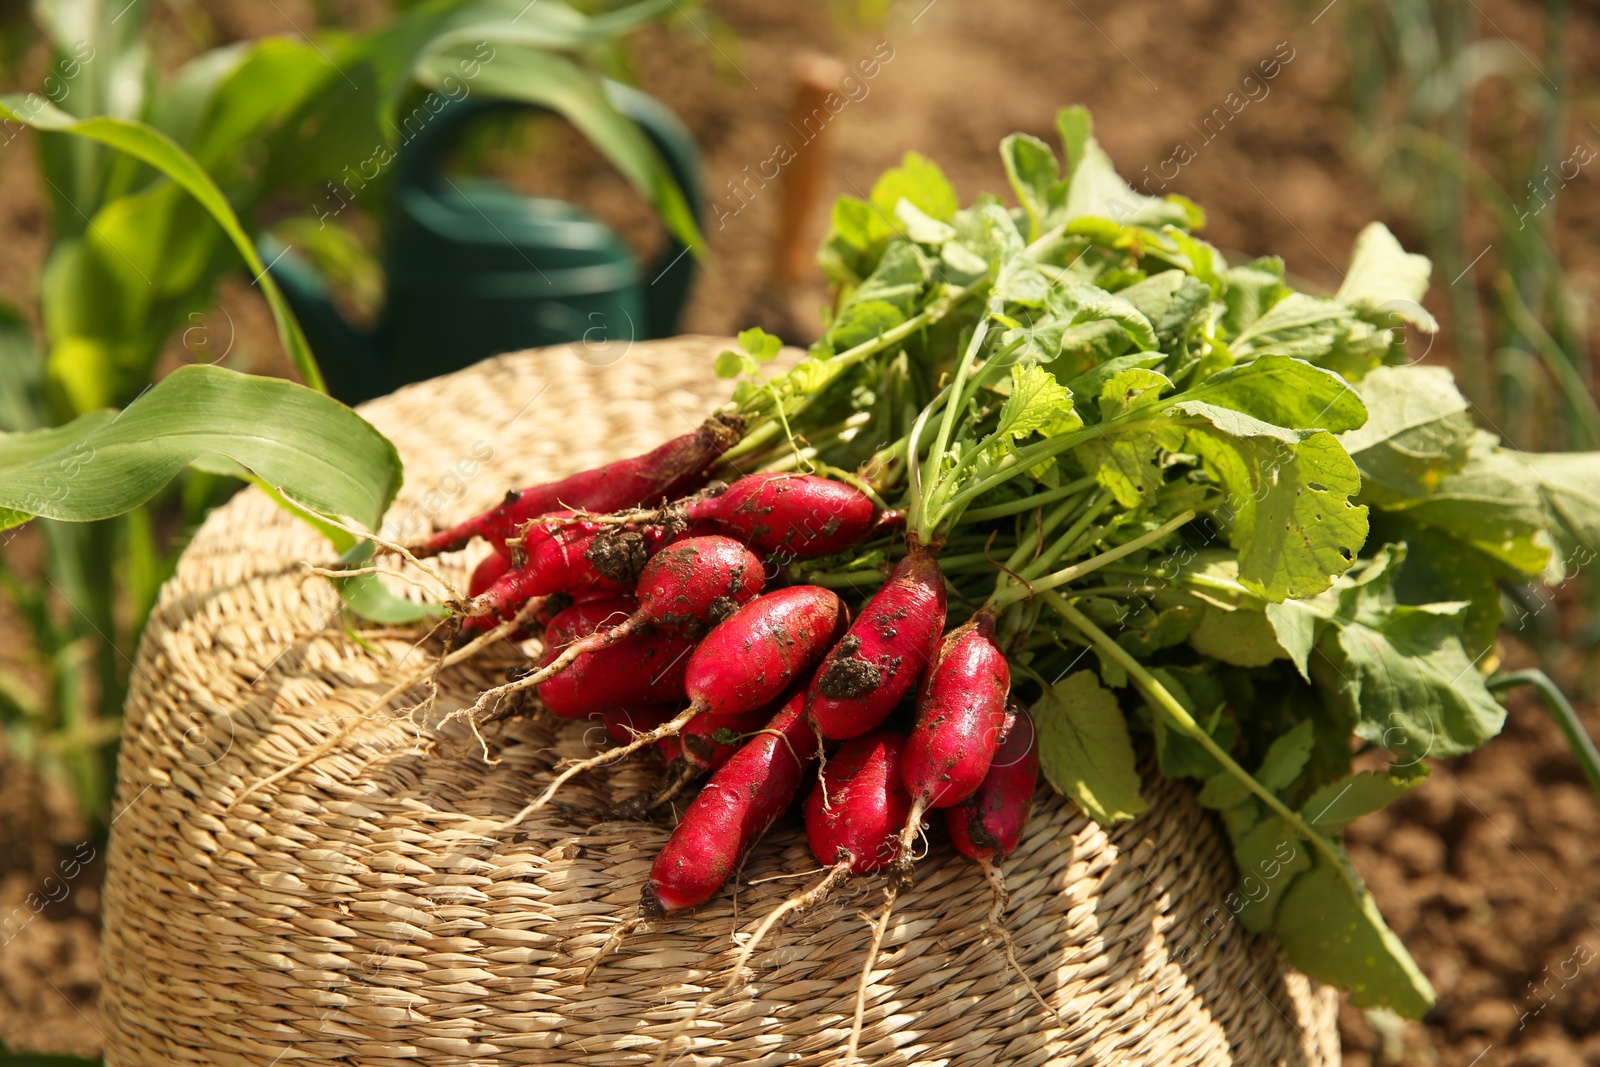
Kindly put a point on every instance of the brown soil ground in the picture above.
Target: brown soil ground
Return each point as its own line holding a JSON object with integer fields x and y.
{"x": 1488, "y": 871}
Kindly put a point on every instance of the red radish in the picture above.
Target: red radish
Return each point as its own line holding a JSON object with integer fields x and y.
{"x": 750, "y": 659}
{"x": 661, "y": 474}
{"x": 494, "y": 567}
{"x": 709, "y": 741}
{"x": 560, "y": 558}
{"x": 582, "y": 618}
{"x": 684, "y": 588}
{"x": 987, "y": 826}
{"x": 960, "y": 717}
{"x": 797, "y": 515}
{"x": 697, "y": 582}
{"x": 734, "y": 808}
{"x": 556, "y": 603}
{"x": 858, "y": 808}
{"x": 851, "y": 822}
{"x": 745, "y": 664}
{"x": 704, "y": 744}
{"x": 486, "y": 573}
{"x": 624, "y": 724}
{"x": 742, "y": 667}
{"x": 646, "y": 667}
{"x": 852, "y": 819}
{"x": 885, "y": 651}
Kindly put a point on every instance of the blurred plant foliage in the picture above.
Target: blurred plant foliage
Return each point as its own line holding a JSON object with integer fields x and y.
{"x": 1469, "y": 135}
{"x": 157, "y": 186}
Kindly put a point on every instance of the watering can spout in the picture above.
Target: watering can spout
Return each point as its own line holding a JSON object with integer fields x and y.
{"x": 347, "y": 356}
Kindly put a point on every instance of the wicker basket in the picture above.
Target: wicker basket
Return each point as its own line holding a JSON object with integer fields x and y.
{"x": 363, "y": 909}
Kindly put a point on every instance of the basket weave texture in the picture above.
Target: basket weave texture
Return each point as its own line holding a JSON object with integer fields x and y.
{"x": 364, "y": 909}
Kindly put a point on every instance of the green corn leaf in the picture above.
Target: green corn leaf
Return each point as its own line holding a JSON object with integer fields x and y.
{"x": 560, "y": 84}
{"x": 158, "y": 150}
{"x": 271, "y": 79}
{"x": 368, "y": 597}
{"x": 364, "y": 594}
{"x": 103, "y": 464}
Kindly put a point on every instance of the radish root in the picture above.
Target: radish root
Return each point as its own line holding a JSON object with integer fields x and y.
{"x": 649, "y": 737}
{"x": 879, "y": 929}
{"x": 798, "y": 904}
{"x": 619, "y": 933}
{"x": 997, "y": 905}
{"x": 464, "y": 652}
{"x": 597, "y": 640}
{"x": 901, "y": 875}
{"x": 384, "y": 543}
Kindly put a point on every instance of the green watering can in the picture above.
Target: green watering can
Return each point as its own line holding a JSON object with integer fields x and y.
{"x": 473, "y": 268}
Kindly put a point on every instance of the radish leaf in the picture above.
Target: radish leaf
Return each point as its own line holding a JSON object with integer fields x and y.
{"x": 1494, "y": 504}
{"x": 1287, "y": 508}
{"x": 1037, "y": 404}
{"x": 1268, "y": 855}
{"x": 1418, "y": 432}
{"x": 1035, "y": 177}
{"x": 1286, "y": 392}
{"x": 1386, "y": 280}
{"x": 1085, "y": 751}
{"x": 1399, "y": 671}
{"x": 1340, "y": 803}
{"x": 1331, "y": 930}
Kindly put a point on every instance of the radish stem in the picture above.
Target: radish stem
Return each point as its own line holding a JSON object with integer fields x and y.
{"x": 1028, "y": 503}
{"x": 1017, "y": 591}
{"x": 1185, "y": 722}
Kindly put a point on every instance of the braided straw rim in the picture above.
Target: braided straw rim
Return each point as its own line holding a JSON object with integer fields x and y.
{"x": 365, "y": 910}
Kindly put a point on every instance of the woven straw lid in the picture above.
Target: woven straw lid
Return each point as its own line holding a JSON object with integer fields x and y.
{"x": 364, "y": 909}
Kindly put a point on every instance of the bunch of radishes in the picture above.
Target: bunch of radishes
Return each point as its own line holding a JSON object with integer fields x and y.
{"x": 671, "y": 636}
{"x": 1102, "y": 439}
